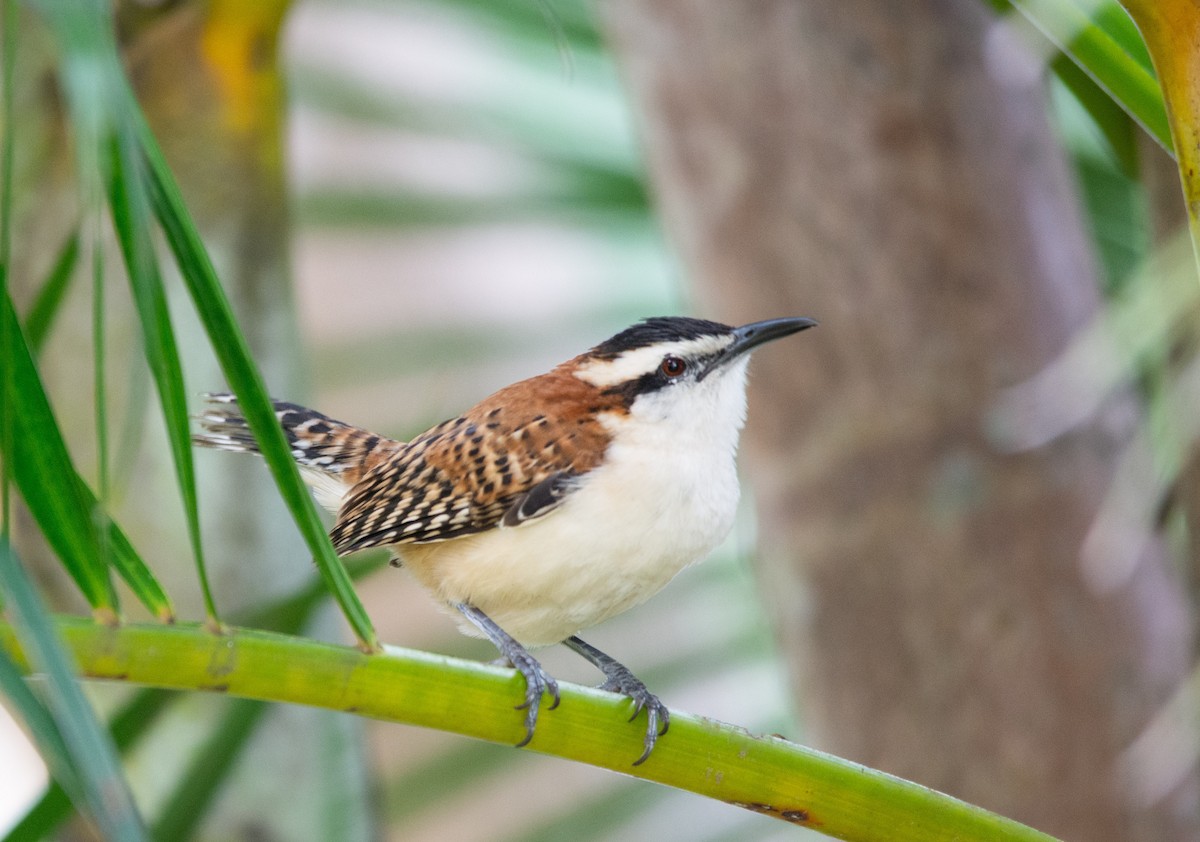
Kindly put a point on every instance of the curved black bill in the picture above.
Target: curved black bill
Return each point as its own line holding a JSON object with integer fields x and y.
{"x": 754, "y": 334}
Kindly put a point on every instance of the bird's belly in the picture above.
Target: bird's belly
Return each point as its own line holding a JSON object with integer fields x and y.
{"x": 612, "y": 544}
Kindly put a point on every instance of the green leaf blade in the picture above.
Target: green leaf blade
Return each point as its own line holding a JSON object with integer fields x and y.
{"x": 39, "y": 723}
{"x": 246, "y": 382}
{"x": 128, "y": 726}
{"x": 88, "y": 745}
{"x": 51, "y": 294}
{"x": 129, "y": 564}
{"x": 41, "y": 466}
{"x": 132, "y": 220}
{"x": 1104, "y": 44}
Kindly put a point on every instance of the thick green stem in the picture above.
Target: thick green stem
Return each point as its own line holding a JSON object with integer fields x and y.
{"x": 764, "y": 774}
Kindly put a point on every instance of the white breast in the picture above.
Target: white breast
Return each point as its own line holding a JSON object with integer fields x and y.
{"x": 665, "y": 496}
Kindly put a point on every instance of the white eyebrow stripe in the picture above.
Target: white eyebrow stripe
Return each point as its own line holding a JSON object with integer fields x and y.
{"x": 629, "y": 365}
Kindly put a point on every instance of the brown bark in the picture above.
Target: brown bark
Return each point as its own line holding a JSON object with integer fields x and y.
{"x": 887, "y": 169}
{"x": 1168, "y": 221}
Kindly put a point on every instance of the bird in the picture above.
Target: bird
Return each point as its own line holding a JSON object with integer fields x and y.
{"x": 555, "y": 503}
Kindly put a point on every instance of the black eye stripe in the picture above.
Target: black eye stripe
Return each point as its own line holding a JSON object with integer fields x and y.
{"x": 649, "y": 382}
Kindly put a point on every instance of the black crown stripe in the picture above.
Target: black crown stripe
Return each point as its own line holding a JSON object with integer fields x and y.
{"x": 658, "y": 329}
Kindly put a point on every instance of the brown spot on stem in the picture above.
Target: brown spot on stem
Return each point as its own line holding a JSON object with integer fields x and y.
{"x": 794, "y": 815}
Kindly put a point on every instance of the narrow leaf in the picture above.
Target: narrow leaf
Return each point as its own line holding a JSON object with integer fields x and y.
{"x": 1099, "y": 42}
{"x": 1116, "y": 126}
{"x": 59, "y": 499}
{"x": 131, "y": 217}
{"x": 130, "y": 723}
{"x": 246, "y": 381}
{"x": 39, "y": 723}
{"x": 129, "y": 564}
{"x": 100, "y": 109}
{"x": 134, "y": 719}
{"x": 9, "y": 47}
{"x": 39, "y": 462}
{"x": 109, "y": 801}
{"x": 50, "y": 295}
{"x": 57, "y": 496}
{"x": 100, "y": 388}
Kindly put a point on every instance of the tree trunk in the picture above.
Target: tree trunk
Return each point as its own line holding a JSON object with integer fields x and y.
{"x": 887, "y": 168}
{"x": 1169, "y": 223}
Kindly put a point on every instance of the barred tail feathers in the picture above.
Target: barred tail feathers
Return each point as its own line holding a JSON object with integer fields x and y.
{"x": 331, "y": 454}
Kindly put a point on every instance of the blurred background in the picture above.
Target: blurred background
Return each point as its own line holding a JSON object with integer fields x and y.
{"x": 967, "y": 554}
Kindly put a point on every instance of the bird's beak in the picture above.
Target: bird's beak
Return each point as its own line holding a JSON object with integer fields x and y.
{"x": 750, "y": 336}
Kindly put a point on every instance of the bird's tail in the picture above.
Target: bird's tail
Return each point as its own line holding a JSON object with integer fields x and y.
{"x": 332, "y": 455}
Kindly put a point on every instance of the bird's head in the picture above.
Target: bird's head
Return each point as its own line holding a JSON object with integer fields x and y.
{"x": 679, "y": 369}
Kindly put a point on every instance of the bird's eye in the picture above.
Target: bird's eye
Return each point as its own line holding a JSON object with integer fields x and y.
{"x": 672, "y": 366}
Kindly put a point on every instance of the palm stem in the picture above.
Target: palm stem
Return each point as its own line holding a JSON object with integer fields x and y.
{"x": 765, "y": 774}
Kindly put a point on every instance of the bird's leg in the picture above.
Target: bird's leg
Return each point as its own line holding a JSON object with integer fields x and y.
{"x": 537, "y": 680}
{"x": 618, "y": 679}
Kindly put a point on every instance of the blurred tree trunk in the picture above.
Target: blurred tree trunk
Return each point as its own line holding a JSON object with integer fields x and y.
{"x": 1168, "y": 221}
{"x": 887, "y": 168}
{"x": 208, "y": 78}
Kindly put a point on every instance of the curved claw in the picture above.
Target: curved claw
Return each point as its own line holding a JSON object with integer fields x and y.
{"x": 537, "y": 682}
{"x": 658, "y": 720}
{"x": 655, "y": 710}
{"x": 638, "y": 704}
{"x": 618, "y": 679}
{"x": 658, "y": 717}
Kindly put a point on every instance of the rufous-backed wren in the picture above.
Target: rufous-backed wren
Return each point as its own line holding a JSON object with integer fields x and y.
{"x": 555, "y": 503}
